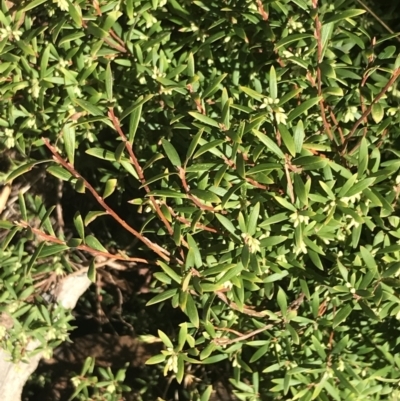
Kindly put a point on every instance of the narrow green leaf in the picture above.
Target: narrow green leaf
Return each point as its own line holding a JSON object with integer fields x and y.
{"x": 341, "y": 315}
{"x": 207, "y": 394}
{"x": 300, "y": 189}
{"x": 134, "y": 123}
{"x": 33, "y": 4}
{"x": 360, "y": 186}
{"x": 205, "y": 195}
{"x": 89, "y": 107}
{"x": 226, "y": 223}
{"x": 310, "y": 162}
{"x": 75, "y": 13}
{"x": 368, "y": 259}
{"x": 292, "y": 38}
{"x": 269, "y": 143}
{"x": 162, "y": 296}
{"x": 204, "y": 119}
{"x": 170, "y": 272}
{"x": 282, "y": 301}
{"x": 52, "y": 250}
{"x": 208, "y": 147}
{"x": 252, "y": 93}
{"x": 69, "y": 142}
{"x": 78, "y": 223}
{"x": 21, "y": 170}
{"x": 92, "y": 271}
{"x": 213, "y": 87}
{"x": 95, "y": 30}
{"x": 197, "y": 255}
{"x": 273, "y": 87}
{"x": 109, "y": 82}
{"x": 287, "y": 139}
{"x": 277, "y": 218}
{"x": 165, "y": 339}
{"x": 140, "y": 101}
{"x": 171, "y": 152}
{"x": 299, "y": 136}
{"x": 193, "y": 144}
{"x": 33, "y": 258}
{"x": 167, "y": 193}
{"x": 59, "y": 172}
{"x": 109, "y": 187}
{"x": 156, "y": 359}
{"x": 190, "y": 71}
{"x": 344, "y": 15}
{"x": 286, "y": 204}
{"x": 191, "y": 311}
{"x": 298, "y": 111}
{"x": 22, "y": 206}
{"x": 94, "y": 243}
{"x": 253, "y": 219}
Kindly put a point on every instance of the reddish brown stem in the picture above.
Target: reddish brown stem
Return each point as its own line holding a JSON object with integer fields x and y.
{"x": 50, "y": 238}
{"x": 139, "y": 170}
{"x": 154, "y": 247}
{"x": 366, "y": 113}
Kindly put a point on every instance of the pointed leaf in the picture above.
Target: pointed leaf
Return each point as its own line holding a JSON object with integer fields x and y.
{"x": 172, "y": 154}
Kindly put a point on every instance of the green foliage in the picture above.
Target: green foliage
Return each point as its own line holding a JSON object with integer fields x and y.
{"x": 259, "y": 145}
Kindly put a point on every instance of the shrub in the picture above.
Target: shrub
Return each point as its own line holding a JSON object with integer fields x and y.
{"x": 250, "y": 149}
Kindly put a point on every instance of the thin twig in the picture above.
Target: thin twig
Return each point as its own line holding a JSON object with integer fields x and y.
{"x": 190, "y": 196}
{"x": 164, "y": 254}
{"x": 94, "y": 252}
{"x": 139, "y": 170}
{"x": 294, "y": 306}
{"x": 377, "y": 18}
{"x": 396, "y": 74}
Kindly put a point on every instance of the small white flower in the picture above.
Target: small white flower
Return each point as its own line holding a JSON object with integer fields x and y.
{"x": 62, "y": 4}
{"x": 298, "y": 218}
{"x": 300, "y": 248}
{"x": 351, "y": 223}
{"x": 77, "y": 91}
{"x": 156, "y": 73}
{"x": 166, "y": 91}
{"x": 31, "y": 122}
{"x": 35, "y": 88}
{"x": 329, "y": 206}
{"x": 62, "y": 63}
{"x": 47, "y": 353}
{"x": 110, "y": 388}
{"x": 228, "y": 285}
{"x": 3, "y": 332}
{"x": 51, "y": 334}
{"x": 17, "y": 35}
{"x": 351, "y": 199}
{"x": 280, "y": 115}
{"x": 351, "y": 114}
{"x": 252, "y": 243}
{"x": 281, "y": 259}
{"x": 172, "y": 364}
{"x": 76, "y": 381}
